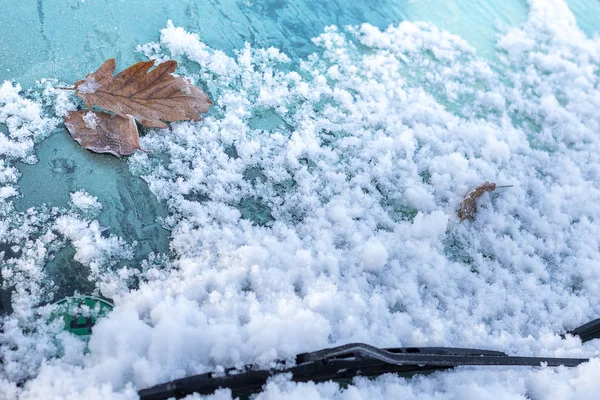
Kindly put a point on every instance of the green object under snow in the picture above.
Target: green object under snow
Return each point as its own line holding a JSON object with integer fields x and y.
{"x": 81, "y": 313}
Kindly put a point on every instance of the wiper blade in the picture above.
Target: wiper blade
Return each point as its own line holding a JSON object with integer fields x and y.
{"x": 346, "y": 362}
{"x": 424, "y": 356}
{"x": 588, "y": 331}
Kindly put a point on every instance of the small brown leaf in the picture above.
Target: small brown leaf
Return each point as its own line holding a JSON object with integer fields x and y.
{"x": 150, "y": 97}
{"x": 468, "y": 206}
{"x": 104, "y": 133}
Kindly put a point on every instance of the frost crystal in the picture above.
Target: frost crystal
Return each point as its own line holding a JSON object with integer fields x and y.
{"x": 85, "y": 201}
{"x": 91, "y": 120}
{"x": 89, "y": 86}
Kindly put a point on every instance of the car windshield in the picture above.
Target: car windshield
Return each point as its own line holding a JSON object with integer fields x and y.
{"x": 393, "y": 172}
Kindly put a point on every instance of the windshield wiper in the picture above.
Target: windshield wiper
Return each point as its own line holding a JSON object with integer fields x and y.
{"x": 587, "y": 332}
{"x": 346, "y": 362}
{"x": 358, "y": 359}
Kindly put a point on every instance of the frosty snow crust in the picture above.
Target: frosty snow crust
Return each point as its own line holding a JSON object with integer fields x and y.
{"x": 356, "y": 161}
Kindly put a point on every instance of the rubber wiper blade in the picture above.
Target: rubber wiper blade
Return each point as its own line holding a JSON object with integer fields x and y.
{"x": 470, "y": 357}
{"x": 346, "y": 362}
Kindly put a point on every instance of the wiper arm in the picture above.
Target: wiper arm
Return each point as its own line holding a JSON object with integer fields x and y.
{"x": 346, "y": 362}
{"x": 587, "y": 332}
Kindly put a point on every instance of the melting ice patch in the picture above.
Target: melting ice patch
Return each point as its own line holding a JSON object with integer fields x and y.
{"x": 317, "y": 205}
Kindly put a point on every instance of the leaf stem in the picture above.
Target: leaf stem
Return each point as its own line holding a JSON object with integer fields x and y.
{"x": 504, "y": 186}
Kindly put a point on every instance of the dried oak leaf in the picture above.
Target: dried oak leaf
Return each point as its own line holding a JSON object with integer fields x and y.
{"x": 150, "y": 97}
{"x": 104, "y": 133}
{"x": 468, "y": 206}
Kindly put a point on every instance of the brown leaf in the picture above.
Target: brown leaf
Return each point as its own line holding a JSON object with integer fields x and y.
{"x": 104, "y": 133}
{"x": 468, "y": 207}
{"x": 150, "y": 97}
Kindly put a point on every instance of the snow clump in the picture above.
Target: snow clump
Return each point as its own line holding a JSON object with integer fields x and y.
{"x": 85, "y": 201}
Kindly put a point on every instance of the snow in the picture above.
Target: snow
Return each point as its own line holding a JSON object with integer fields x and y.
{"x": 23, "y": 121}
{"x": 89, "y": 86}
{"x": 22, "y": 124}
{"x": 92, "y": 249}
{"x": 468, "y": 384}
{"x": 91, "y": 120}
{"x": 316, "y": 205}
{"x": 85, "y": 201}
{"x": 464, "y": 383}
{"x": 61, "y": 99}
{"x": 374, "y": 255}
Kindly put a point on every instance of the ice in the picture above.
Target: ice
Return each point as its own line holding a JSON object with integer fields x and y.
{"x": 68, "y": 39}
{"x": 587, "y": 13}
